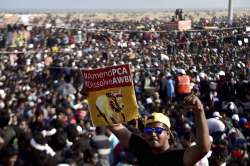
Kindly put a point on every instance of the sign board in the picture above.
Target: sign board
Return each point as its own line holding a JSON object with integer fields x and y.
{"x": 183, "y": 25}
{"x": 111, "y": 95}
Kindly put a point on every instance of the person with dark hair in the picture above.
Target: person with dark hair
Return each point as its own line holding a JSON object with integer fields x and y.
{"x": 60, "y": 120}
{"x": 23, "y": 135}
{"x": 7, "y": 133}
{"x": 2, "y": 39}
{"x": 41, "y": 154}
{"x": 73, "y": 134}
{"x": 80, "y": 150}
{"x": 154, "y": 147}
{"x": 8, "y": 156}
{"x": 219, "y": 155}
{"x": 4, "y": 118}
{"x": 38, "y": 124}
{"x": 113, "y": 143}
{"x": 101, "y": 143}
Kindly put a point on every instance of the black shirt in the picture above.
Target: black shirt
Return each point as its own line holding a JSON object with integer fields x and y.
{"x": 139, "y": 147}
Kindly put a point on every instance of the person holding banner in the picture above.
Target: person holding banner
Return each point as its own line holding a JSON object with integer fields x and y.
{"x": 153, "y": 148}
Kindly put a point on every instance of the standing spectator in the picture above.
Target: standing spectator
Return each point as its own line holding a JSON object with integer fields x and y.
{"x": 101, "y": 143}
{"x": 113, "y": 143}
{"x": 170, "y": 88}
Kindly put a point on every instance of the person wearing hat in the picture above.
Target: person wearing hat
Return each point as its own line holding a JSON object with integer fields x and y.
{"x": 153, "y": 147}
{"x": 215, "y": 124}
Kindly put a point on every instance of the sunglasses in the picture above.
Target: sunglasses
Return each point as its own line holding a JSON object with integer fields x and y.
{"x": 150, "y": 130}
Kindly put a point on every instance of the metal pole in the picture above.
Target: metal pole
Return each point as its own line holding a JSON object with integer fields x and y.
{"x": 230, "y": 12}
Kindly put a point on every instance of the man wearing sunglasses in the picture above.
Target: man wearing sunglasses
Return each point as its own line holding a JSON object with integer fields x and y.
{"x": 153, "y": 148}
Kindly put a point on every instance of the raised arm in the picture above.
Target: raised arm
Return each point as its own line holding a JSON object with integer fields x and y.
{"x": 122, "y": 133}
{"x": 198, "y": 151}
{"x": 2, "y": 142}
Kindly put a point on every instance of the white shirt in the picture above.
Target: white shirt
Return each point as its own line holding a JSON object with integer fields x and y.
{"x": 204, "y": 160}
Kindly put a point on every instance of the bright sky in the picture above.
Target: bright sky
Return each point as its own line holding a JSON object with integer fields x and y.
{"x": 120, "y": 4}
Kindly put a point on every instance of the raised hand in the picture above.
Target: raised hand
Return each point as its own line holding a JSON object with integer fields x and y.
{"x": 193, "y": 102}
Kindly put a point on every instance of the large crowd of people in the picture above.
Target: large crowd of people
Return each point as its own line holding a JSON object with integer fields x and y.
{"x": 44, "y": 117}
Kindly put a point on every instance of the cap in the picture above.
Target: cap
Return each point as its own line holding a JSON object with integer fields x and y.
{"x": 158, "y": 101}
{"x": 243, "y": 121}
{"x": 217, "y": 114}
{"x": 236, "y": 117}
{"x": 2, "y": 93}
{"x": 202, "y": 75}
{"x": 158, "y": 117}
{"x": 85, "y": 101}
{"x": 231, "y": 106}
{"x": 182, "y": 71}
{"x": 221, "y": 73}
{"x": 168, "y": 74}
{"x": 149, "y": 100}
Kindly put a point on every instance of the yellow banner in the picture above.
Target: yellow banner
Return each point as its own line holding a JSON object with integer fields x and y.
{"x": 111, "y": 95}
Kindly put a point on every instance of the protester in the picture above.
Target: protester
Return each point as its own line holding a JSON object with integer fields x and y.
{"x": 155, "y": 142}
